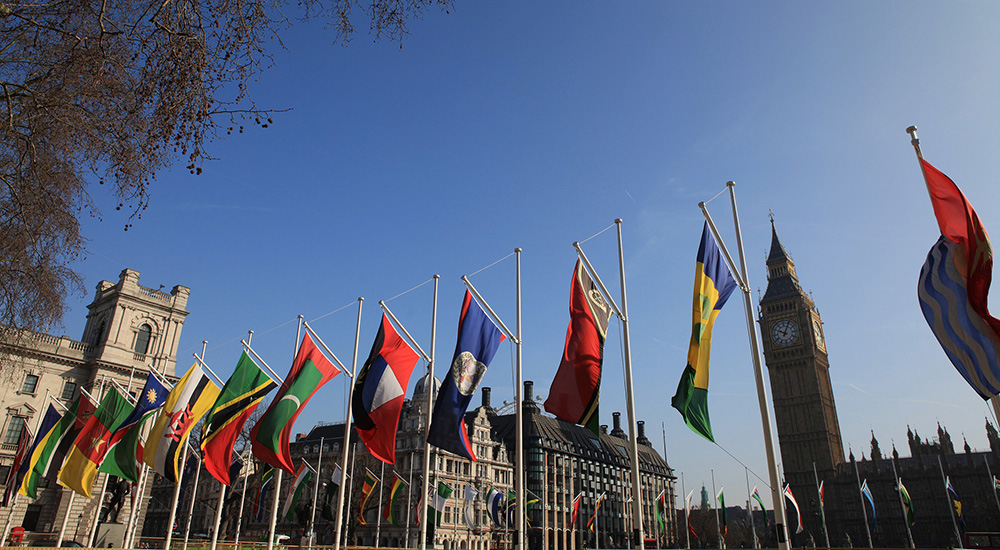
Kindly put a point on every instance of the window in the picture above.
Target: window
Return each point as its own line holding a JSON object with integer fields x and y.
{"x": 69, "y": 390}
{"x": 13, "y": 430}
{"x": 142, "y": 338}
{"x": 30, "y": 383}
{"x": 30, "y": 521}
{"x": 4, "y": 472}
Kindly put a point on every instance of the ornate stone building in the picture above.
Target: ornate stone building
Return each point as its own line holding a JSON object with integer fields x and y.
{"x": 130, "y": 329}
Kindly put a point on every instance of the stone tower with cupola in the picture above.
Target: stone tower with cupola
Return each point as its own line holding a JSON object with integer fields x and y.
{"x": 796, "y": 357}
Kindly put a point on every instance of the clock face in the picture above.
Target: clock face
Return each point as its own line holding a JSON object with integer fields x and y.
{"x": 784, "y": 333}
{"x": 818, "y": 331}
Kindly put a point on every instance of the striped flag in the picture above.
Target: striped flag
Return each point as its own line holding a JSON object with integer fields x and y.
{"x": 80, "y": 468}
{"x": 713, "y": 283}
{"x": 266, "y": 478}
{"x": 788, "y": 494}
{"x": 954, "y": 284}
{"x": 23, "y": 445}
{"x": 494, "y": 503}
{"x": 49, "y": 421}
{"x": 394, "y": 495}
{"x": 907, "y": 503}
{"x": 470, "y": 496}
{"x": 301, "y": 481}
{"x": 239, "y": 397}
{"x": 186, "y": 404}
{"x": 54, "y": 445}
{"x": 661, "y": 509}
{"x": 593, "y": 519}
{"x": 866, "y": 492}
{"x": 366, "y": 491}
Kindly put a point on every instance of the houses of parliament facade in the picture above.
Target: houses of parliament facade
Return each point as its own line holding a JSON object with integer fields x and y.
{"x": 812, "y": 451}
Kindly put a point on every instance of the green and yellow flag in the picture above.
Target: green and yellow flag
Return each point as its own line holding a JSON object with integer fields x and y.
{"x": 713, "y": 283}
{"x": 91, "y": 446}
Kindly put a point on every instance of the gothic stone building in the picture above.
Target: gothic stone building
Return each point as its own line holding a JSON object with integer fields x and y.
{"x": 130, "y": 329}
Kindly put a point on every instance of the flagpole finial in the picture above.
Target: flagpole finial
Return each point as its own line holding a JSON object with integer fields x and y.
{"x": 730, "y": 183}
{"x": 436, "y": 276}
{"x": 914, "y": 140}
{"x": 518, "y": 250}
{"x": 361, "y": 298}
{"x": 618, "y": 221}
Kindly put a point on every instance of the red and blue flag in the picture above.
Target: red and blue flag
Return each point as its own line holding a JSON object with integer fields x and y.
{"x": 954, "y": 284}
{"x": 478, "y": 340}
{"x": 382, "y": 386}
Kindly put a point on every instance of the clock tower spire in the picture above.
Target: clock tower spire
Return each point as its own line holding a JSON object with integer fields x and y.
{"x": 796, "y": 357}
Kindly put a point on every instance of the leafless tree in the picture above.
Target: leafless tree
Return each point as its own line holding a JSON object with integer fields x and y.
{"x": 111, "y": 92}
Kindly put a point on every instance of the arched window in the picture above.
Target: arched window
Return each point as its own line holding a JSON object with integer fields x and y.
{"x": 142, "y": 338}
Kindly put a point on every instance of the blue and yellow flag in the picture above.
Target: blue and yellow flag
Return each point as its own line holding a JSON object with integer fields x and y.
{"x": 713, "y": 283}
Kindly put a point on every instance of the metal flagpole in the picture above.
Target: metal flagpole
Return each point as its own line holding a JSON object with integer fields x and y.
{"x": 350, "y": 488}
{"x": 69, "y": 508}
{"x": 278, "y": 474}
{"x": 993, "y": 481}
{"x": 765, "y": 418}
{"x": 519, "y": 500}
{"x": 339, "y": 521}
{"x": 687, "y": 531}
{"x": 718, "y": 525}
{"x": 97, "y": 513}
{"x": 194, "y": 495}
{"x": 243, "y": 497}
{"x": 173, "y": 506}
{"x": 378, "y": 516}
{"x": 218, "y": 515}
{"x": 951, "y": 506}
{"x": 902, "y": 505}
{"x": 431, "y": 395}
{"x": 753, "y": 528}
{"x": 312, "y": 518}
{"x": 864, "y": 510}
{"x": 409, "y": 498}
{"x": 822, "y": 507}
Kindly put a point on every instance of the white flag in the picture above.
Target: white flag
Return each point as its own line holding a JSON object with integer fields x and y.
{"x": 470, "y": 495}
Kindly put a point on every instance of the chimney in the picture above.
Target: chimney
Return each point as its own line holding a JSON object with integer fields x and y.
{"x": 486, "y": 397}
{"x": 641, "y": 428}
{"x": 604, "y": 429}
{"x": 528, "y": 389}
{"x": 617, "y": 423}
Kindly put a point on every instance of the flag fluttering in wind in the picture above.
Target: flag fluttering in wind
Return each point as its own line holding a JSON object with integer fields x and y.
{"x": 438, "y": 502}
{"x": 591, "y": 523}
{"x": 713, "y": 283}
{"x": 576, "y": 508}
{"x": 366, "y": 491}
{"x": 186, "y": 404}
{"x": 954, "y": 285}
{"x": 866, "y": 492}
{"x": 23, "y": 446}
{"x": 266, "y": 479}
{"x": 27, "y": 465}
{"x": 996, "y": 483}
{"x": 269, "y": 437}
{"x": 470, "y": 496}
{"x": 788, "y": 494}
{"x": 494, "y": 503}
{"x": 299, "y": 483}
{"x": 756, "y": 496}
{"x": 956, "y": 503}
{"x": 395, "y": 493}
{"x": 661, "y": 509}
{"x": 722, "y": 507}
{"x": 904, "y": 495}
{"x": 244, "y": 390}
{"x": 123, "y": 451}
{"x": 478, "y": 340}
{"x": 575, "y": 392}
{"x": 331, "y": 491}
{"x": 52, "y": 448}
{"x": 380, "y": 389}
{"x": 80, "y": 468}
{"x": 687, "y": 512}
{"x": 821, "y": 503}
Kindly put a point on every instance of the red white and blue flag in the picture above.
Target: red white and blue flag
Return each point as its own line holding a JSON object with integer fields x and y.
{"x": 478, "y": 340}
{"x": 954, "y": 284}
{"x": 382, "y": 383}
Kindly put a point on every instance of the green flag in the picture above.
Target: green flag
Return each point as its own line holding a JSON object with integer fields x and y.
{"x": 907, "y": 503}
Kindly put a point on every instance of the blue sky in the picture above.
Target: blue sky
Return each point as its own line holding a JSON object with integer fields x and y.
{"x": 517, "y": 124}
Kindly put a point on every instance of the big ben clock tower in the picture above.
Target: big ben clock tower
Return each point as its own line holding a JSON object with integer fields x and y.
{"x": 796, "y": 357}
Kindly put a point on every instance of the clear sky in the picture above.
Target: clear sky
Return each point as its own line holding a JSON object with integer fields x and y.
{"x": 525, "y": 124}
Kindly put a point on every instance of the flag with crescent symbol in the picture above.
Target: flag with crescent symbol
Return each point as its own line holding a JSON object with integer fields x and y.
{"x": 269, "y": 437}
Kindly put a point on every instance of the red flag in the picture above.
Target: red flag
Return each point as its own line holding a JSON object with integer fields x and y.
{"x": 380, "y": 389}
{"x": 575, "y": 389}
{"x": 576, "y": 509}
{"x": 960, "y": 224}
